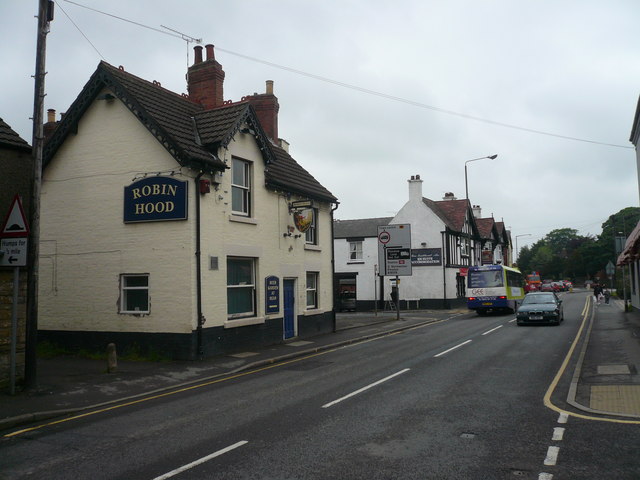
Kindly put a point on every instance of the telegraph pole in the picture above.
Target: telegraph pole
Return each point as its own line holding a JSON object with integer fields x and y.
{"x": 45, "y": 15}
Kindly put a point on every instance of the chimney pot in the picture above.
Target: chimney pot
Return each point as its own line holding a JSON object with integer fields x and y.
{"x": 198, "y": 54}
{"x": 51, "y": 115}
{"x": 210, "y": 55}
{"x": 269, "y": 87}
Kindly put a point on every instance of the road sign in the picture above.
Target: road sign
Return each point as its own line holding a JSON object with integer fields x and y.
{"x": 394, "y": 249}
{"x": 13, "y": 252}
{"x": 610, "y": 269}
{"x": 15, "y": 224}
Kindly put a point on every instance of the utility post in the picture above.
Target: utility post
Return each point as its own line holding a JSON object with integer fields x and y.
{"x": 45, "y": 15}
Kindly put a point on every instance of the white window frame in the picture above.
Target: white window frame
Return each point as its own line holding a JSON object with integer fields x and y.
{"x": 252, "y": 286}
{"x": 311, "y": 235}
{"x": 312, "y": 289}
{"x": 355, "y": 250}
{"x": 124, "y": 289}
{"x": 244, "y": 187}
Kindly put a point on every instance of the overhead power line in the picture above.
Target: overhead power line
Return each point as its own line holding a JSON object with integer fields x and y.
{"x": 365, "y": 90}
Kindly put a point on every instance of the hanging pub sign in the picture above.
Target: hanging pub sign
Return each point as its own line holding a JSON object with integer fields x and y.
{"x": 155, "y": 199}
{"x": 487, "y": 257}
{"x": 303, "y": 219}
{"x": 272, "y": 297}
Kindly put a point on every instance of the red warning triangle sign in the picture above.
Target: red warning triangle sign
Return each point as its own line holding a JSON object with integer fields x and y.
{"x": 15, "y": 225}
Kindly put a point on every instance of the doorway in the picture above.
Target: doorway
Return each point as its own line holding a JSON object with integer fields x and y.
{"x": 289, "y": 299}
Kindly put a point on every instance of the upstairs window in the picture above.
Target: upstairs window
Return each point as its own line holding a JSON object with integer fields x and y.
{"x": 355, "y": 251}
{"x": 241, "y": 187}
{"x": 311, "y": 235}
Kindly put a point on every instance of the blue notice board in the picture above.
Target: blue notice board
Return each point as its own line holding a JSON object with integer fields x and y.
{"x": 272, "y": 294}
{"x": 155, "y": 199}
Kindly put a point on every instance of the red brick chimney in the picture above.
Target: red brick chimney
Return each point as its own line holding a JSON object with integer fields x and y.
{"x": 205, "y": 79}
{"x": 266, "y": 107}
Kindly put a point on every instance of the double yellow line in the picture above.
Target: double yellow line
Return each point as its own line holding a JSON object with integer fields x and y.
{"x": 587, "y": 311}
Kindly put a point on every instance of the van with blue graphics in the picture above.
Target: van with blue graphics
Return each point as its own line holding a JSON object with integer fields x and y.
{"x": 492, "y": 288}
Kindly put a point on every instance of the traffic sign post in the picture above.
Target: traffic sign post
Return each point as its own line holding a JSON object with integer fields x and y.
{"x": 394, "y": 255}
{"x": 13, "y": 253}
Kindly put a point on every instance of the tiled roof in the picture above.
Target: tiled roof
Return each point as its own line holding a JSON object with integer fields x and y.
{"x": 286, "y": 174}
{"x": 485, "y": 225}
{"x": 361, "y": 227}
{"x": 456, "y": 211}
{"x": 10, "y": 139}
{"x": 452, "y": 212}
{"x": 189, "y": 133}
{"x": 215, "y": 126}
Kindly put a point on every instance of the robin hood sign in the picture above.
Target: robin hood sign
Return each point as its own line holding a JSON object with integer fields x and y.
{"x": 155, "y": 199}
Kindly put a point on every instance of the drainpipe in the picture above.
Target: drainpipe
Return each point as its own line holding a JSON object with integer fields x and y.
{"x": 333, "y": 272}
{"x": 199, "y": 351}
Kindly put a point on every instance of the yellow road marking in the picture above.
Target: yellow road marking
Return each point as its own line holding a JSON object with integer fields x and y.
{"x": 563, "y": 367}
{"x": 200, "y": 385}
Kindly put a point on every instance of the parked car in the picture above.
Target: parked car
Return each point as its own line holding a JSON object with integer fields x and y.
{"x": 547, "y": 287}
{"x": 539, "y": 308}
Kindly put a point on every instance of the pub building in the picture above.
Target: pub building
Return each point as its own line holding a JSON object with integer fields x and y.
{"x": 179, "y": 224}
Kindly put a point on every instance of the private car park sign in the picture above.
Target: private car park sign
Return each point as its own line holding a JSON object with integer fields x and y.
{"x": 394, "y": 249}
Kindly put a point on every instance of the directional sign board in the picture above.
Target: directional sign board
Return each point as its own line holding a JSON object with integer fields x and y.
{"x": 394, "y": 249}
{"x": 13, "y": 252}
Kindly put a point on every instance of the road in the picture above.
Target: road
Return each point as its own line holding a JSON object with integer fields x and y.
{"x": 457, "y": 399}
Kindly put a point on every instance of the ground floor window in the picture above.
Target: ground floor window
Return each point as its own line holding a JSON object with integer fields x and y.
{"x": 312, "y": 290}
{"x": 460, "y": 286}
{"x": 241, "y": 287}
{"x": 134, "y": 293}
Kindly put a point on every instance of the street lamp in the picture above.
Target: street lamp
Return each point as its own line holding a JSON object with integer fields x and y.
{"x": 466, "y": 187}
{"x": 523, "y": 235}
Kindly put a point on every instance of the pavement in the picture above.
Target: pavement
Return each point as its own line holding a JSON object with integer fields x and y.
{"x": 605, "y": 380}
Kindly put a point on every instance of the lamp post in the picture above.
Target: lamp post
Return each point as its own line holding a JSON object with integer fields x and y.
{"x": 523, "y": 235}
{"x": 466, "y": 185}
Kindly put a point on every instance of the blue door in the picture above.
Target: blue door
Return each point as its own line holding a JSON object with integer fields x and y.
{"x": 289, "y": 299}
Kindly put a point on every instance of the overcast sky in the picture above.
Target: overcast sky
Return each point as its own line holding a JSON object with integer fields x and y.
{"x": 406, "y": 88}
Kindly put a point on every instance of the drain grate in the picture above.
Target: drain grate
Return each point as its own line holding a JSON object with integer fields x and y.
{"x": 468, "y": 435}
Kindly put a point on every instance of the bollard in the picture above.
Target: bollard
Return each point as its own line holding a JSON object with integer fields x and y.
{"x": 112, "y": 358}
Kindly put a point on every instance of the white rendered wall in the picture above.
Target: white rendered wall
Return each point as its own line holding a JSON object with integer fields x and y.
{"x": 85, "y": 245}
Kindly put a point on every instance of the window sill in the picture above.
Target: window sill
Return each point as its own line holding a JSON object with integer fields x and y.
{"x": 356, "y": 262}
{"x": 243, "y": 322}
{"x": 313, "y": 248}
{"x": 314, "y": 311}
{"x": 239, "y": 219}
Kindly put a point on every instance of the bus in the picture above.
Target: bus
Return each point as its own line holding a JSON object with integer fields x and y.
{"x": 494, "y": 288}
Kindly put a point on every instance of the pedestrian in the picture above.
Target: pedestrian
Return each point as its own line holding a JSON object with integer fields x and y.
{"x": 597, "y": 292}
{"x": 607, "y": 296}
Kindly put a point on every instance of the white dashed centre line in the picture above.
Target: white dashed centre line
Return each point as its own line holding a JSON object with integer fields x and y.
{"x": 201, "y": 460}
{"x": 558, "y": 433}
{"x": 552, "y": 456}
{"x": 327, "y": 405}
{"x": 452, "y": 348}
{"x": 492, "y": 330}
